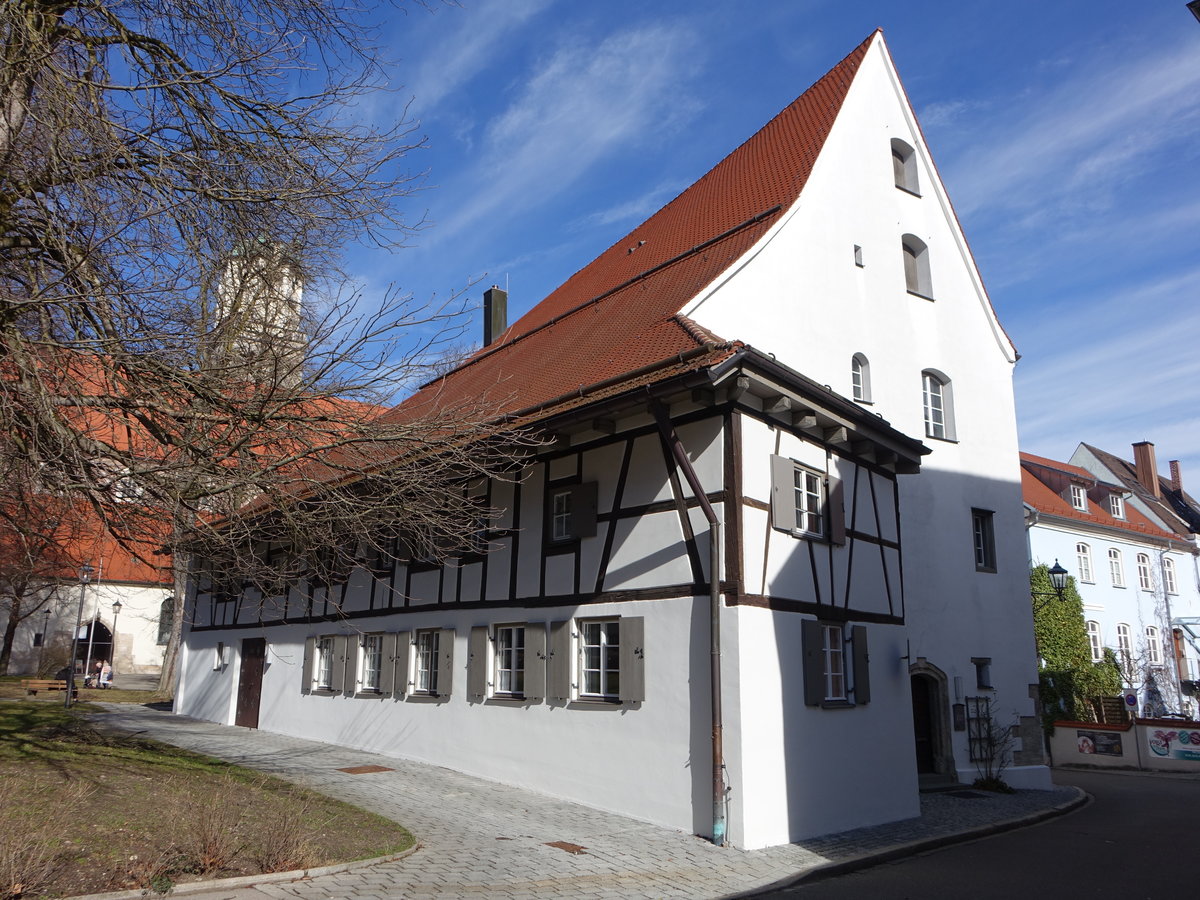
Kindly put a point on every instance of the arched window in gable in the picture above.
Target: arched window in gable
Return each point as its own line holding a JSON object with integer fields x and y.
{"x": 904, "y": 167}
{"x": 916, "y": 266}
{"x": 860, "y": 378}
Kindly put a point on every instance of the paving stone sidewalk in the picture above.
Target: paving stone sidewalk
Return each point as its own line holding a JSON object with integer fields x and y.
{"x": 483, "y": 839}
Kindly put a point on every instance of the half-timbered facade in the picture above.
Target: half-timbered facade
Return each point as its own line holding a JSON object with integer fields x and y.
{"x": 728, "y": 592}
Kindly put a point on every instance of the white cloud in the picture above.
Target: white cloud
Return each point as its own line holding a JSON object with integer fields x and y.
{"x": 634, "y": 210}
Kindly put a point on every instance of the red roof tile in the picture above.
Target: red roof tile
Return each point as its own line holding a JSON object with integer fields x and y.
{"x": 617, "y": 315}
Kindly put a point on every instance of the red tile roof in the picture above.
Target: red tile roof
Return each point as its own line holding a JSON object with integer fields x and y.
{"x": 1045, "y": 500}
{"x": 1065, "y": 468}
{"x": 618, "y": 314}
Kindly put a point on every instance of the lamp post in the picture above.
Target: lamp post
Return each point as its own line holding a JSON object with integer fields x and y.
{"x": 112, "y": 651}
{"x": 85, "y": 575}
{"x": 45, "y": 636}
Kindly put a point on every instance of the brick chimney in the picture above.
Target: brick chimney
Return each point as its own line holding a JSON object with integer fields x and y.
{"x": 495, "y": 314}
{"x": 1146, "y": 468}
{"x": 1176, "y": 476}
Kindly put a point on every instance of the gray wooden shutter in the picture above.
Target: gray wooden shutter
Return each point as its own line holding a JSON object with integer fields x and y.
{"x": 559, "y": 663}
{"x": 814, "y": 663}
{"x": 339, "y": 663}
{"x": 836, "y": 504}
{"x": 306, "y": 676}
{"x": 400, "y": 663}
{"x": 583, "y": 510}
{"x": 477, "y": 668}
{"x": 783, "y": 493}
{"x": 862, "y": 668}
{"x": 445, "y": 663}
{"x": 353, "y": 651}
{"x": 535, "y": 661}
{"x": 387, "y": 665}
{"x": 633, "y": 659}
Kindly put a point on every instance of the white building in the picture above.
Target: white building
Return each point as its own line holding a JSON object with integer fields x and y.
{"x": 1135, "y": 578}
{"x": 724, "y": 370}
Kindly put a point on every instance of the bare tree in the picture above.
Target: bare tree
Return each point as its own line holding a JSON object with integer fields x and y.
{"x": 177, "y": 340}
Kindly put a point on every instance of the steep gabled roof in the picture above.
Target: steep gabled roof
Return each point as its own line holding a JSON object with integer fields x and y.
{"x": 619, "y": 314}
{"x": 1174, "y": 505}
{"x": 1045, "y": 499}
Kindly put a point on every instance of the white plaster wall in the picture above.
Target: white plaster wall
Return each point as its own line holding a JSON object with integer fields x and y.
{"x": 649, "y": 760}
{"x": 803, "y": 770}
{"x": 799, "y": 295}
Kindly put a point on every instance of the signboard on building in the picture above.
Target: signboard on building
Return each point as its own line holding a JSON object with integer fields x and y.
{"x": 1101, "y": 743}
{"x": 1172, "y": 744}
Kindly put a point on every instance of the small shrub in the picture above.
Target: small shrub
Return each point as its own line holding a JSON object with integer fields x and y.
{"x": 285, "y": 846}
{"x": 213, "y": 838}
{"x": 996, "y": 785}
{"x": 157, "y": 874}
{"x": 32, "y": 823}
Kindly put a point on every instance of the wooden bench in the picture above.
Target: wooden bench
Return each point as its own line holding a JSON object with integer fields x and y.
{"x": 33, "y": 685}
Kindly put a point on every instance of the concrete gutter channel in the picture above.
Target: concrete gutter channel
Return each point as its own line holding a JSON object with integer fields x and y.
{"x": 707, "y": 871}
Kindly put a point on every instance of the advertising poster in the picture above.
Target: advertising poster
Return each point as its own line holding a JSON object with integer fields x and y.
{"x": 1182, "y": 744}
{"x": 1101, "y": 743}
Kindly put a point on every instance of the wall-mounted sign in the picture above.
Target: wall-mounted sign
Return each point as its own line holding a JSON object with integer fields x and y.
{"x": 1174, "y": 744}
{"x": 1101, "y": 743}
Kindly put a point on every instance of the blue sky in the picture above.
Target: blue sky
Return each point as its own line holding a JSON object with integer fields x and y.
{"x": 1067, "y": 133}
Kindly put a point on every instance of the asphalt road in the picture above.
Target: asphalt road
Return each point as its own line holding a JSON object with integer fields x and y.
{"x": 1135, "y": 841}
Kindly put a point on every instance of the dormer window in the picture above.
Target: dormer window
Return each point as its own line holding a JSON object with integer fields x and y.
{"x": 904, "y": 167}
{"x": 1116, "y": 506}
{"x": 1079, "y": 497}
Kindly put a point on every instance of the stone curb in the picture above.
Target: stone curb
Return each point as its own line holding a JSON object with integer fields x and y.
{"x": 241, "y": 881}
{"x": 867, "y": 860}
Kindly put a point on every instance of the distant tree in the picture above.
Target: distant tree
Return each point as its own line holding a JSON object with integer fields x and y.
{"x": 178, "y": 341}
{"x": 1069, "y": 679}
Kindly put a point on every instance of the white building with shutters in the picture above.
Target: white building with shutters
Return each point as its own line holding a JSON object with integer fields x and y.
{"x": 734, "y": 390}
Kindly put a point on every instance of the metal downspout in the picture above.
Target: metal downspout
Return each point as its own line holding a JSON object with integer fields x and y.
{"x": 714, "y": 606}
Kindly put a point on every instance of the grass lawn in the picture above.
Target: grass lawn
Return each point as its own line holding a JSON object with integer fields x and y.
{"x": 82, "y": 811}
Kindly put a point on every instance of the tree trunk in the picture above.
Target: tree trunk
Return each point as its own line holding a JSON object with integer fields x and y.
{"x": 10, "y": 633}
{"x": 170, "y": 665}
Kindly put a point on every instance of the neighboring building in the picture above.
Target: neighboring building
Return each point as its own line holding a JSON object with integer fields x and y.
{"x": 871, "y": 620}
{"x": 1135, "y": 577}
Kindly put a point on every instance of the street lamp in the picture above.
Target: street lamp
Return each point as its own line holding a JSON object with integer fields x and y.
{"x": 112, "y": 652}
{"x": 45, "y": 637}
{"x": 1058, "y": 581}
{"x": 85, "y": 575}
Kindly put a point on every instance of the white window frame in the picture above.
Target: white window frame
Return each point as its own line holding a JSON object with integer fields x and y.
{"x": 984, "y": 534}
{"x": 1079, "y": 498}
{"x": 1116, "y": 568}
{"x": 426, "y": 647}
{"x": 323, "y": 664}
{"x": 937, "y": 404}
{"x": 1153, "y": 646}
{"x": 370, "y": 663}
{"x": 1083, "y": 556}
{"x": 1125, "y": 649}
{"x": 808, "y": 490}
{"x": 860, "y": 378}
{"x": 508, "y": 661}
{"x": 560, "y": 515}
{"x": 1097, "y": 646}
{"x": 1145, "y": 581}
{"x": 1116, "y": 506}
{"x": 599, "y": 661}
{"x": 1169, "y": 583}
{"x": 833, "y": 654}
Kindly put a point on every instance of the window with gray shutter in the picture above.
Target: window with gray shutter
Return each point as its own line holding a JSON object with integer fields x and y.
{"x": 477, "y": 668}
{"x": 338, "y": 683}
{"x": 445, "y": 676}
{"x": 814, "y": 668}
{"x": 387, "y": 665}
{"x": 820, "y": 655}
{"x": 571, "y": 512}
{"x": 558, "y": 666}
{"x": 400, "y": 665}
{"x": 632, "y": 651}
{"x": 862, "y": 667}
{"x": 535, "y": 661}
{"x": 306, "y": 676}
{"x": 353, "y": 644}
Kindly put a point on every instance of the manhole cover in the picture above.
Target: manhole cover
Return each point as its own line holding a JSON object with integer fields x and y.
{"x": 967, "y": 795}
{"x": 565, "y": 845}
{"x": 365, "y": 770}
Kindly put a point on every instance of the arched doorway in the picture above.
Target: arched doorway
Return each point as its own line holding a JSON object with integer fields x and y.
{"x": 95, "y": 643}
{"x": 931, "y": 720}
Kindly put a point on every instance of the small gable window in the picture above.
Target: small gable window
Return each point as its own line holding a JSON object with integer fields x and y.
{"x": 916, "y": 266}
{"x": 1116, "y": 506}
{"x": 860, "y": 378}
{"x": 904, "y": 167}
{"x": 1079, "y": 497}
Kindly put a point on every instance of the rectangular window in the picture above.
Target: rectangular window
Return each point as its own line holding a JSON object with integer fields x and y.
{"x": 810, "y": 501}
{"x": 1116, "y": 506}
{"x": 1083, "y": 555}
{"x": 323, "y": 680}
{"x": 985, "y": 540}
{"x": 983, "y": 672}
{"x": 1153, "y": 646}
{"x": 571, "y": 512}
{"x": 371, "y": 663}
{"x": 426, "y": 663}
{"x": 979, "y": 728}
{"x": 600, "y": 659}
{"x": 1125, "y": 650}
{"x": 509, "y": 679}
{"x": 1093, "y": 632}
{"x": 1079, "y": 497}
{"x": 834, "y": 652}
{"x": 1169, "y": 585}
{"x": 560, "y": 516}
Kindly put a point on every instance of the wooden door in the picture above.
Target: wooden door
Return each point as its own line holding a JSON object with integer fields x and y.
{"x": 254, "y": 657}
{"x": 923, "y": 725}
